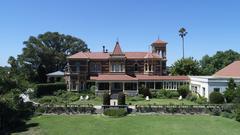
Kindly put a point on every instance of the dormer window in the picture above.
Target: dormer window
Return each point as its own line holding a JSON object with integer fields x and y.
{"x": 148, "y": 67}
{"x": 117, "y": 67}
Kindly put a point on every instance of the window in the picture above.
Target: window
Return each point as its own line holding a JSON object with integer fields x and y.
{"x": 117, "y": 67}
{"x": 203, "y": 91}
{"x": 216, "y": 89}
{"x": 77, "y": 66}
{"x": 150, "y": 67}
{"x": 95, "y": 67}
{"x": 136, "y": 67}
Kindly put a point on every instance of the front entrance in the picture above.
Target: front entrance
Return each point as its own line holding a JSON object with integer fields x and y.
{"x": 116, "y": 87}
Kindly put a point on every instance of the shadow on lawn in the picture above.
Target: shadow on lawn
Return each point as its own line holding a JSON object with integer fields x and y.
{"x": 24, "y": 128}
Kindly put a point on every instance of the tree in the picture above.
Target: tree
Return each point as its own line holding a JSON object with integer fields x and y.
{"x": 218, "y": 61}
{"x": 183, "y": 90}
{"x": 121, "y": 98}
{"x": 106, "y": 99}
{"x": 182, "y": 34}
{"x": 187, "y": 66}
{"x": 230, "y": 92}
{"x": 48, "y": 50}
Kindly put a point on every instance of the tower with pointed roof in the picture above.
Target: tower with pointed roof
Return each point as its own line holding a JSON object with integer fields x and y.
{"x": 159, "y": 47}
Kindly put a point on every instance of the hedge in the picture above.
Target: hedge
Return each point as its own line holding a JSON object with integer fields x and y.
{"x": 49, "y": 88}
{"x": 113, "y": 112}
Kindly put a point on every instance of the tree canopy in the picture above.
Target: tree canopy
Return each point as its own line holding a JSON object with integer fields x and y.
{"x": 187, "y": 66}
{"x": 46, "y": 53}
{"x": 218, "y": 61}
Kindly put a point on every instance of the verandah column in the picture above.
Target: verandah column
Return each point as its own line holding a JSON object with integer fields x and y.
{"x": 123, "y": 86}
{"x": 154, "y": 87}
{"x": 109, "y": 87}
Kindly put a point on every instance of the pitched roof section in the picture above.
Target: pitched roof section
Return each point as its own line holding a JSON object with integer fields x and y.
{"x": 159, "y": 42}
{"x": 113, "y": 77}
{"x": 232, "y": 70}
{"x": 101, "y": 55}
{"x": 117, "y": 49}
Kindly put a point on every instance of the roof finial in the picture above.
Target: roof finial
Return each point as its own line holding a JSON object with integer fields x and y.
{"x": 117, "y": 39}
{"x": 158, "y": 37}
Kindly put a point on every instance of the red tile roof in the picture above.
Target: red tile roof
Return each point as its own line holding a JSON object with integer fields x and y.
{"x": 155, "y": 77}
{"x": 232, "y": 70}
{"x": 112, "y": 77}
{"x": 160, "y": 42}
{"x": 101, "y": 55}
{"x": 117, "y": 50}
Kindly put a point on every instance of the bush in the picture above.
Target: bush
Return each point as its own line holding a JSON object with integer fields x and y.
{"x": 216, "y": 98}
{"x": 145, "y": 91}
{"x": 192, "y": 97}
{"x": 228, "y": 115}
{"x": 49, "y": 88}
{"x": 106, "y": 99}
{"x": 216, "y": 111}
{"x": 238, "y": 114}
{"x": 183, "y": 90}
{"x": 167, "y": 94}
{"x": 121, "y": 99}
{"x": 201, "y": 100}
{"x": 115, "y": 112}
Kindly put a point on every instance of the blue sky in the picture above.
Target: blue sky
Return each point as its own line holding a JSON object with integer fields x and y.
{"x": 212, "y": 25}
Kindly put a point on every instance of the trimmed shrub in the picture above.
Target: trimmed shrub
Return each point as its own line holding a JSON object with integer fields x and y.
{"x": 201, "y": 100}
{"x": 115, "y": 112}
{"x": 228, "y": 115}
{"x": 216, "y": 111}
{"x": 106, "y": 99}
{"x": 121, "y": 99}
{"x": 183, "y": 90}
{"x": 216, "y": 98}
{"x": 145, "y": 91}
{"x": 238, "y": 114}
{"x": 192, "y": 97}
{"x": 49, "y": 88}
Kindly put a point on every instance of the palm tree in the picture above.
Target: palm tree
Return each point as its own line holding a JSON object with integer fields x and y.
{"x": 182, "y": 34}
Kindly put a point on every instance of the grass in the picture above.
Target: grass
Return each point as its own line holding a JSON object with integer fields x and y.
{"x": 131, "y": 125}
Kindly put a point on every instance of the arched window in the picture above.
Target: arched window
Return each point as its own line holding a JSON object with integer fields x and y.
{"x": 135, "y": 67}
{"x": 150, "y": 67}
{"x": 146, "y": 67}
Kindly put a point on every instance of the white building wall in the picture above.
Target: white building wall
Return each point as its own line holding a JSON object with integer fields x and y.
{"x": 209, "y": 83}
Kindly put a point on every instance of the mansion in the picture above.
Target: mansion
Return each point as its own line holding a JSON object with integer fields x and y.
{"x": 120, "y": 71}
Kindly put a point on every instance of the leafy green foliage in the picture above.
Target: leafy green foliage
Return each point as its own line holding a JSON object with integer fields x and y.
{"x": 216, "y": 98}
{"x": 121, "y": 99}
{"x": 167, "y": 94}
{"x": 230, "y": 91}
{"x": 238, "y": 114}
{"x": 106, "y": 99}
{"x": 187, "y": 66}
{"x": 14, "y": 112}
{"x": 49, "y": 88}
{"x": 183, "y": 90}
{"x": 60, "y": 97}
{"x": 115, "y": 112}
{"x": 46, "y": 53}
{"x": 144, "y": 91}
{"x": 218, "y": 61}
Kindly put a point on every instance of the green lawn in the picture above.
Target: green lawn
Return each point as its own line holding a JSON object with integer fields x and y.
{"x": 133, "y": 125}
